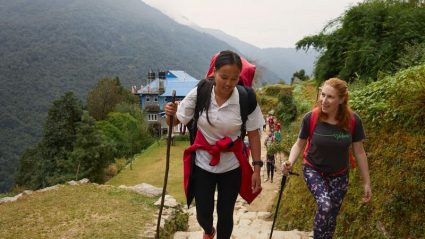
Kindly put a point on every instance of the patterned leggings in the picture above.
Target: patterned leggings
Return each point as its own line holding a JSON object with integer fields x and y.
{"x": 328, "y": 191}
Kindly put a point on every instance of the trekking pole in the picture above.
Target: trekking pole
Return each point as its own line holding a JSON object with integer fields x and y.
{"x": 167, "y": 166}
{"x": 282, "y": 185}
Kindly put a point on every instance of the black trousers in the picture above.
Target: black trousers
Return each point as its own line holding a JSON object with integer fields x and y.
{"x": 228, "y": 185}
{"x": 270, "y": 170}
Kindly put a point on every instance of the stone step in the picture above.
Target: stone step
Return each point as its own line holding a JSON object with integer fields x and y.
{"x": 249, "y": 233}
{"x": 248, "y": 224}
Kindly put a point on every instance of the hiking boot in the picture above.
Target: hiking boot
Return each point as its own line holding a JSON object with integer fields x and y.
{"x": 209, "y": 236}
{"x": 265, "y": 180}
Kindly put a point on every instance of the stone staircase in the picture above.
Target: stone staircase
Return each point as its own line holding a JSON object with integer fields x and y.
{"x": 247, "y": 225}
{"x": 251, "y": 221}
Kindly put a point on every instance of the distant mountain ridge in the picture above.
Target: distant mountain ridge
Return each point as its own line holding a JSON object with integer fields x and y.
{"x": 282, "y": 62}
{"x": 49, "y": 47}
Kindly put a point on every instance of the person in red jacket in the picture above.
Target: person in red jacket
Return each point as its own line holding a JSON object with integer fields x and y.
{"x": 219, "y": 124}
{"x": 270, "y": 120}
{"x": 277, "y": 126}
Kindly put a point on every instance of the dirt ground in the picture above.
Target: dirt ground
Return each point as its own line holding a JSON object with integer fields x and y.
{"x": 264, "y": 201}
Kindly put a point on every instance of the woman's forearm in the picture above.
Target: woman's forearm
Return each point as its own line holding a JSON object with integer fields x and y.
{"x": 361, "y": 158}
{"x": 255, "y": 145}
{"x": 296, "y": 150}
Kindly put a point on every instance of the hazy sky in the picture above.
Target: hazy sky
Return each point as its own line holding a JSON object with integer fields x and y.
{"x": 263, "y": 23}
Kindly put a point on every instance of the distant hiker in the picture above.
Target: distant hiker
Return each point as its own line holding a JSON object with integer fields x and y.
{"x": 277, "y": 126}
{"x": 269, "y": 140}
{"x": 277, "y": 136}
{"x": 220, "y": 160}
{"x": 270, "y": 121}
{"x": 270, "y": 166}
{"x": 329, "y": 131}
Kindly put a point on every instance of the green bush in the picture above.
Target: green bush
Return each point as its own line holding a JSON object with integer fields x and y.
{"x": 267, "y": 103}
{"x": 286, "y": 110}
{"x": 180, "y": 223}
{"x": 367, "y": 39}
{"x": 398, "y": 186}
{"x": 395, "y": 101}
{"x": 392, "y": 111}
{"x": 277, "y": 89}
{"x": 181, "y": 137}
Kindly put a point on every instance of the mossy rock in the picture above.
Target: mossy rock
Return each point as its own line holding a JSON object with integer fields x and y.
{"x": 179, "y": 223}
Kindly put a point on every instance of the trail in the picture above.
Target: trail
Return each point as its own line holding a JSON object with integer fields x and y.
{"x": 251, "y": 221}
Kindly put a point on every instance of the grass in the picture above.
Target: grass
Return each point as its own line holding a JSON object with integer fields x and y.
{"x": 396, "y": 168}
{"x": 84, "y": 211}
{"x": 149, "y": 167}
{"x": 89, "y": 211}
{"x": 3, "y": 195}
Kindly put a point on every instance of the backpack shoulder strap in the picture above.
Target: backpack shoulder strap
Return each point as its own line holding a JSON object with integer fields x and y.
{"x": 247, "y": 103}
{"x": 352, "y": 123}
{"x": 313, "y": 121}
{"x": 312, "y": 124}
{"x": 193, "y": 124}
{"x": 352, "y": 127}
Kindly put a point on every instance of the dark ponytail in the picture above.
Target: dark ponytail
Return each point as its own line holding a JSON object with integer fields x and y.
{"x": 205, "y": 86}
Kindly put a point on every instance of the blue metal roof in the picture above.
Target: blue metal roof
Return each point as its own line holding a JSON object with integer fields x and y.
{"x": 181, "y": 75}
{"x": 175, "y": 80}
{"x": 182, "y": 87}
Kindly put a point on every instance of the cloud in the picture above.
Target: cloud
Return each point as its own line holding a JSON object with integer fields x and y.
{"x": 265, "y": 23}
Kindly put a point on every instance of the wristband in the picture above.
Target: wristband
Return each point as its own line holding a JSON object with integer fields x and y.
{"x": 257, "y": 162}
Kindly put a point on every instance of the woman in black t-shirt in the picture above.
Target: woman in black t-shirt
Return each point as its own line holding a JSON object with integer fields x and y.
{"x": 326, "y": 160}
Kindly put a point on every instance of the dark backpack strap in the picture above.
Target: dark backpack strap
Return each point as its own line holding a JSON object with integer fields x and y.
{"x": 352, "y": 128}
{"x": 200, "y": 92}
{"x": 313, "y": 121}
{"x": 314, "y": 116}
{"x": 247, "y": 103}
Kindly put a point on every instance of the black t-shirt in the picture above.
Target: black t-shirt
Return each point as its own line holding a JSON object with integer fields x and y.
{"x": 329, "y": 149}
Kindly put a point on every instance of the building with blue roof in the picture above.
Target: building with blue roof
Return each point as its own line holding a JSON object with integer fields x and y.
{"x": 158, "y": 91}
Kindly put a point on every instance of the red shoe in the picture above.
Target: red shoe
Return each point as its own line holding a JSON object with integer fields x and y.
{"x": 209, "y": 236}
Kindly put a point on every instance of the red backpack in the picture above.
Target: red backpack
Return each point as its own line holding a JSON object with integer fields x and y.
{"x": 246, "y": 77}
{"x": 313, "y": 121}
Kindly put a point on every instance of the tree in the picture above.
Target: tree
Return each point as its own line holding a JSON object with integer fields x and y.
{"x": 286, "y": 111}
{"x": 300, "y": 75}
{"x": 131, "y": 130}
{"x": 143, "y": 126}
{"x": 368, "y": 39}
{"x": 29, "y": 173}
{"x": 413, "y": 55}
{"x": 48, "y": 163}
{"x": 128, "y": 134}
{"x": 91, "y": 153}
{"x": 115, "y": 137}
{"x": 60, "y": 132}
{"x": 105, "y": 96}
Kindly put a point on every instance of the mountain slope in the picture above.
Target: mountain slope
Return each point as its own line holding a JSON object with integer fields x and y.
{"x": 49, "y": 47}
{"x": 281, "y": 62}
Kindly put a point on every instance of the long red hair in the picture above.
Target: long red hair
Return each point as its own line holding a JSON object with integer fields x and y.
{"x": 344, "y": 113}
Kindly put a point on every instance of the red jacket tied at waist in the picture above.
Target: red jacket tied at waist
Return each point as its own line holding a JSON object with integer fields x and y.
{"x": 223, "y": 145}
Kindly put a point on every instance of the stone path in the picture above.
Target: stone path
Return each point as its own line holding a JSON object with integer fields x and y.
{"x": 250, "y": 221}
{"x": 248, "y": 225}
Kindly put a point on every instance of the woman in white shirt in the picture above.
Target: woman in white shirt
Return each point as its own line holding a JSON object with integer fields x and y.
{"x": 220, "y": 118}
